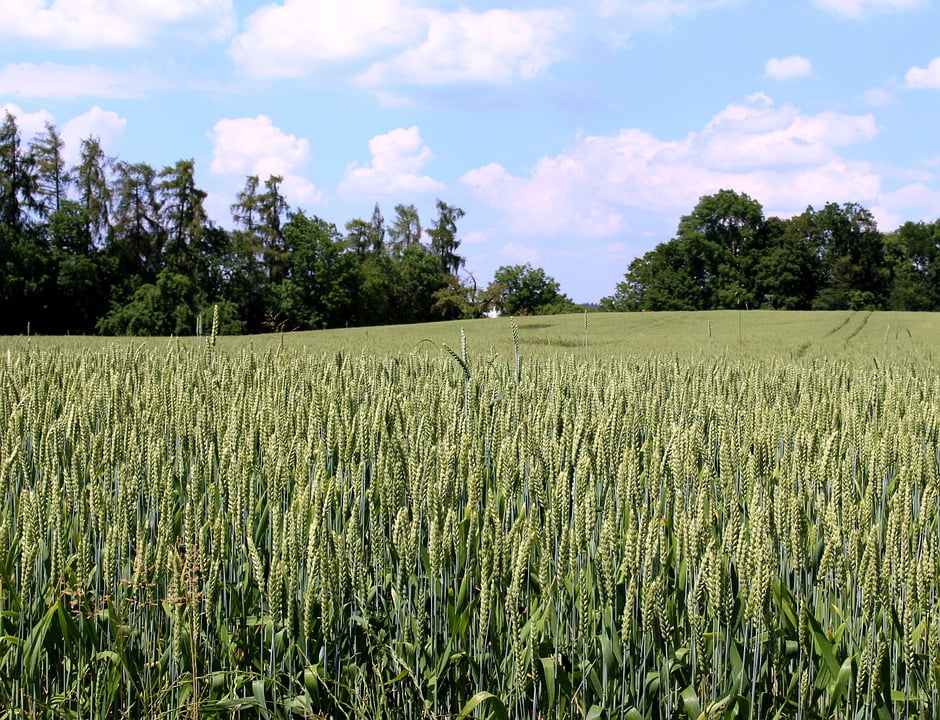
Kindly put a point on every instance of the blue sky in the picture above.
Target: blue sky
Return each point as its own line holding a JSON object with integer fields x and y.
{"x": 573, "y": 134}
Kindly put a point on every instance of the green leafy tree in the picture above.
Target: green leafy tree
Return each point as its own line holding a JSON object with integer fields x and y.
{"x": 272, "y": 213}
{"x": 721, "y": 236}
{"x": 52, "y": 176}
{"x": 18, "y": 182}
{"x": 662, "y": 279}
{"x": 378, "y": 285}
{"x": 367, "y": 237}
{"x": 183, "y": 218}
{"x": 405, "y": 229}
{"x": 90, "y": 178}
{"x": 168, "y": 306}
{"x": 852, "y": 271}
{"x": 80, "y": 295}
{"x": 246, "y": 281}
{"x": 912, "y": 254}
{"x": 524, "y": 290}
{"x": 419, "y": 277}
{"x": 320, "y": 284}
{"x": 443, "y": 234}
{"x": 784, "y": 272}
{"x": 137, "y": 236}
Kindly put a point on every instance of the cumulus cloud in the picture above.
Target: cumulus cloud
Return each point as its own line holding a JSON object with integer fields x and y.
{"x": 776, "y": 154}
{"x": 863, "y": 8}
{"x": 83, "y": 24}
{"x": 255, "y": 146}
{"x": 28, "y": 123}
{"x": 105, "y": 125}
{"x": 495, "y": 46}
{"x": 403, "y": 42}
{"x": 928, "y": 77}
{"x": 51, "y": 80}
{"x": 788, "y": 68}
{"x": 297, "y": 37}
{"x": 397, "y": 159}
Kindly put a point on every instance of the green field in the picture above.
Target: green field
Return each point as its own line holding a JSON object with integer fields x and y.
{"x": 703, "y": 515}
{"x": 743, "y": 334}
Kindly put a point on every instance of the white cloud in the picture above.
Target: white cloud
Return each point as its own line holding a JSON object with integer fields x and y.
{"x": 105, "y": 125}
{"x": 495, "y": 46}
{"x": 90, "y": 24}
{"x": 658, "y": 11}
{"x": 28, "y": 123}
{"x": 297, "y": 37}
{"x": 50, "y": 80}
{"x": 397, "y": 159}
{"x": 781, "y": 157}
{"x": 255, "y": 146}
{"x": 405, "y": 43}
{"x": 929, "y": 77}
{"x": 789, "y": 68}
{"x": 877, "y": 97}
{"x": 913, "y": 196}
{"x": 520, "y": 253}
{"x": 863, "y": 8}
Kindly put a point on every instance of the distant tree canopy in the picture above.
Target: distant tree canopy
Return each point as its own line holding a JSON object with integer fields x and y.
{"x": 726, "y": 254}
{"x": 114, "y": 247}
{"x": 524, "y": 290}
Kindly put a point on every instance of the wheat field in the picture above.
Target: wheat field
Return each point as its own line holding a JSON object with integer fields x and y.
{"x": 708, "y": 517}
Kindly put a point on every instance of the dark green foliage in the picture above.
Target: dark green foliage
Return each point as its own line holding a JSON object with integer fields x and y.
{"x": 109, "y": 246}
{"x": 524, "y": 290}
{"x": 726, "y": 255}
{"x": 117, "y": 247}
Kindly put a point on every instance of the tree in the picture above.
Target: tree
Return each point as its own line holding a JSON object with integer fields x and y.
{"x": 376, "y": 296}
{"x": 357, "y": 236}
{"x": 721, "y": 235}
{"x": 183, "y": 217}
{"x": 784, "y": 272}
{"x": 272, "y": 211}
{"x": 405, "y": 230}
{"x": 419, "y": 277}
{"x": 52, "y": 177}
{"x": 665, "y": 278}
{"x": 377, "y": 231}
{"x": 80, "y": 292}
{"x": 17, "y": 176}
{"x": 137, "y": 237}
{"x": 524, "y": 290}
{"x": 852, "y": 270}
{"x": 168, "y": 306}
{"x": 94, "y": 192}
{"x": 443, "y": 233}
{"x": 912, "y": 254}
{"x": 364, "y": 237}
{"x": 320, "y": 284}
{"x": 246, "y": 282}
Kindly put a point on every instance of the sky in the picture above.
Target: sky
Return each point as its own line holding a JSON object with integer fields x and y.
{"x": 574, "y": 135}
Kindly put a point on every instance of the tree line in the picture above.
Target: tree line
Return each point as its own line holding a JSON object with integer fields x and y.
{"x": 726, "y": 254}
{"x": 112, "y": 247}
{"x": 119, "y": 248}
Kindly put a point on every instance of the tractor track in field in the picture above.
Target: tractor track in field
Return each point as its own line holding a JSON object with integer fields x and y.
{"x": 857, "y": 330}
